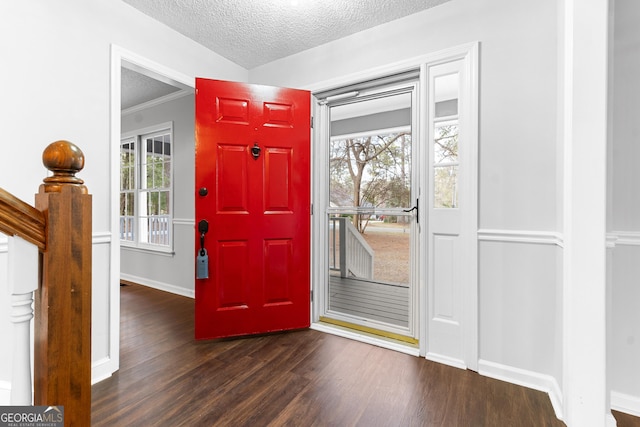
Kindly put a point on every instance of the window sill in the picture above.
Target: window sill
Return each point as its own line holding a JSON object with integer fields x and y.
{"x": 168, "y": 252}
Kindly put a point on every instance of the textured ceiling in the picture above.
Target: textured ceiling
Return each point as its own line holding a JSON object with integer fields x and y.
{"x": 255, "y": 32}
{"x": 137, "y": 88}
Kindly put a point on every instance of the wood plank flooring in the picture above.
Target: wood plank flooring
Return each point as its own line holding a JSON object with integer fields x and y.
{"x": 370, "y": 300}
{"x": 301, "y": 378}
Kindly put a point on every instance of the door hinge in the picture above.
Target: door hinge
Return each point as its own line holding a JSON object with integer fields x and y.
{"x": 311, "y": 295}
{"x": 311, "y": 122}
{"x": 311, "y": 208}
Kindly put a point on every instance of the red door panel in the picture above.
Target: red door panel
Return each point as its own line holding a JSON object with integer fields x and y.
{"x": 258, "y": 208}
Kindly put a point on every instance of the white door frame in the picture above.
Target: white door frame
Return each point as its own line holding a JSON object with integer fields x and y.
{"x": 406, "y": 87}
{"x": 121, "y": 57}
{"x": 469, "y": 53}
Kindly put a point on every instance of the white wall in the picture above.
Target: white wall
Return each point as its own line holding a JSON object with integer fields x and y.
{"x": 56, "y": 77}
{"x": 174, "y": 273}
{"x": 624, "y": 343}
{"x": 6, "y": 327}
{"x": 520, "y": 245}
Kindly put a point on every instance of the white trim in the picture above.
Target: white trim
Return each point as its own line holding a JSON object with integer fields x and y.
{"x": 468, "y": 52}
{"x": 319, "y": 194}
{"x": 524, "y": 378}
{"x": 122, "y": 57}
{"x": 101, "y": 370}
{"x": 100, "y": 237}
{"x": 423, "y": 242}
{"x": 157, "y": 128}
{"x": 190, "y": 222}
{"x": 140, "y": 64}
{"x": 521, "y": 236}
{"x": 329, "y": 329}
{"x": 444, "y": 55}
{"x": 446, "y": 360}
{"x": 625, "y": 403}
{"x": 623, "y": 238}
{"x": 584, "y": 290}
{"x": 470, "y": 116}
{"x": 147, "y": 249}
{"x": 158, "y": 285}
{"x": 398, "y": 129}
{"x": 155, "y": 102}
{"x": 320, "y": 180}
{"x": 118, "y": 55}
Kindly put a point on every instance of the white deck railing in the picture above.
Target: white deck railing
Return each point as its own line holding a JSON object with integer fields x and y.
{"x": 355, "y": 255}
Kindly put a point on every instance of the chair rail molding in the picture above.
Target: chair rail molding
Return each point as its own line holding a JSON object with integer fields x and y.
{"x": 521, "y": 236}
{"x": 623, "y": 238}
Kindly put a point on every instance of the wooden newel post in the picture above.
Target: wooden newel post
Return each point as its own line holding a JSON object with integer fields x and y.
{"x": 62, "y": 330}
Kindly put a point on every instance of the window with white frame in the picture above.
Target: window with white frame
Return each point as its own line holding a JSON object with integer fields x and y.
{"x": 445, "y": 140}
{"x": 146, "y": 176}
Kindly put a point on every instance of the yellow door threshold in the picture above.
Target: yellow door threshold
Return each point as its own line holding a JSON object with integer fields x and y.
{"x": 371, "y": 331}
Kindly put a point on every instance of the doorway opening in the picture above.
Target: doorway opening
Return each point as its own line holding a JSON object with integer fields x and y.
{"x": 137, "y": 86}
{"x": 395, "y": 207}
{"x": 371, "y": 211}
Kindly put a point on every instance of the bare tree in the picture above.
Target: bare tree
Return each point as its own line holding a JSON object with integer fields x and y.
{"x": 375, "y": 168}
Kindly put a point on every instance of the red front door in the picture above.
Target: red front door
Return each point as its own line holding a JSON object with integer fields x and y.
{"x": 252, "y": 187}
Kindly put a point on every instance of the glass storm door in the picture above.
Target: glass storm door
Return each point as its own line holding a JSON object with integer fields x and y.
{"x": 372, "y": 212}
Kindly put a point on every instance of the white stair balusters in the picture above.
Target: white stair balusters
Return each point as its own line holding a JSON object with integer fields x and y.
{"x": 23, "y": 281}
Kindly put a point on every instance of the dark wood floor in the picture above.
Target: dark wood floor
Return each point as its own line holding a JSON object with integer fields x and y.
{"x": 302, "y": 378}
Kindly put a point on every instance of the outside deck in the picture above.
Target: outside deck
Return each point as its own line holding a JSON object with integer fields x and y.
{"x": 370, "y": 300}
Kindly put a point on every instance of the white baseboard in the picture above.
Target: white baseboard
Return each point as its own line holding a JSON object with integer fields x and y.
{"x": 446, "y": 360}
{"x": 103, "y": 369}
{"x": 625, "y": 403}
{"x": 158, "y": 285}
{"x": 529, "y": 379}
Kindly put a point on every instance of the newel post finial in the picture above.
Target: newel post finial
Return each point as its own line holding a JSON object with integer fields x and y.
{"x": 64, "y": 159}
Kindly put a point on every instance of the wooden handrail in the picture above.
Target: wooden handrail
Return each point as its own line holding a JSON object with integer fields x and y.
{"x": 62, "y": 342}
{"x": 18, "y": 218}
{"x": 60, "y": 226}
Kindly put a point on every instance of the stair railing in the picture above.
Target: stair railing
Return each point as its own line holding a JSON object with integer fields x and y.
{"x": 60, "y": 228}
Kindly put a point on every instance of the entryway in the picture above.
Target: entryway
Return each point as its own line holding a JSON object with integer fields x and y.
{"x": 372, "y": 209}
{"x": 395, "y": 206}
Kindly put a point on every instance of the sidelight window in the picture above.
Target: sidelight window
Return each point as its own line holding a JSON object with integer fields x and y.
{"x": 445, "y": 140}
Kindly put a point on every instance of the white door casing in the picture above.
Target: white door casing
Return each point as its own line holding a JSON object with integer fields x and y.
{"x": 447, "y": 272}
